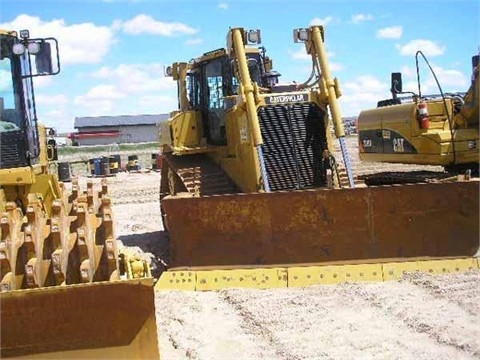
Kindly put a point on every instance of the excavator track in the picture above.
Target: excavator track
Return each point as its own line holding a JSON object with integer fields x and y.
{"x": 406, "y": 177}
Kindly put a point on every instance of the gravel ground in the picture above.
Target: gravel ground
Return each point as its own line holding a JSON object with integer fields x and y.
{"x": 421, "y": 316}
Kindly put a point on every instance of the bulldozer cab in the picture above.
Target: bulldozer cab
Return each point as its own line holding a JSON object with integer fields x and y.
{"x": 211, "y": 85}
{"x": 22, "y": 59}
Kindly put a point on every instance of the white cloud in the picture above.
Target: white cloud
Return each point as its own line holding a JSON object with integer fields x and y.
{"x": 393, "y": 32}
{"x": 100, "y": 92}
{"x": 362, "y": 93}
{"x": 196, "y": 41}
{"x": 335, "y": 67}
{"x": 451, "y": 80}
{"x": 99, "y": 100}
{"x": 78, "y": 43}
{"x": 223, "y": 6}
{"x": 57, "y": 100}
{"x": 358, "y": 18}
{"x": 303, "y": 55}
{"x": 42, "y": 81}
{"x": 145, "y": 24}
{"x": 156, "y": 104}
{"x": 321, "y": 21}
{"x": 428, "y": 47}
{"x": 128, "y": 89}
{"x": 299, "y": 55}
{"x": 136, "y": 78}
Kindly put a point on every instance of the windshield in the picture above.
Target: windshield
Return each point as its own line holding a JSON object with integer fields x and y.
{"x": 10, "y": 117}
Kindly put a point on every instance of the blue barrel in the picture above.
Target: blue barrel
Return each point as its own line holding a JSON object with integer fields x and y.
{"x": 97, "y": 167}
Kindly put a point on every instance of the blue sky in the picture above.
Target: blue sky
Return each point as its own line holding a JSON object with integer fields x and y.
{"x": 113, "y": 51}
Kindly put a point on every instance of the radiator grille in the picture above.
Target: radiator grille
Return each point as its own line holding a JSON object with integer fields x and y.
{"x": 12, "y": 149}
{"x": 293, "y": 142}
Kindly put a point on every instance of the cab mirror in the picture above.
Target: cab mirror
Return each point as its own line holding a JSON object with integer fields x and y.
{"x": 43, "y": 59}
{"x": 396, "y": 84}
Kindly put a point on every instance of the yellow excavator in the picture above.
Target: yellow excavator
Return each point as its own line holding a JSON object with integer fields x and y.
{"x": 424, "y": 129}
{"x": 251, "y": 194}
{"x": 66, "y": 291}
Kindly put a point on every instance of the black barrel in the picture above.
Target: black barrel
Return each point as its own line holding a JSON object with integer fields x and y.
{"x": 105, "y": 165}
{"x": 64, "y": 172}
{"x": 114, "y": 164}
{"x": 132, "y": 162}
{"x": 154, "y": 161}
{"x": 91, "y": 166}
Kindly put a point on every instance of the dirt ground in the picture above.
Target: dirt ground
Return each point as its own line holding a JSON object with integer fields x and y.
{"x": 421, "y": 316}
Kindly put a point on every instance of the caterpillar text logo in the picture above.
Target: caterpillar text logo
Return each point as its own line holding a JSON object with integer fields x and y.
{"x": 280, "y": 99}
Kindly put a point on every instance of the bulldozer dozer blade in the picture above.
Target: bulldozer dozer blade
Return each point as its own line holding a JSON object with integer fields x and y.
{"x": 320, "y": 226}
{"x": 307, "y": 274}
{"x": 104, "y": 320}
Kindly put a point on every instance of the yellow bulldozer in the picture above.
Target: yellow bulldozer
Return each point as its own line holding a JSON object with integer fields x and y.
{"x": 424, "y": 129}
{"x": 66, "y": 291}
{"x": 251, "y": 194}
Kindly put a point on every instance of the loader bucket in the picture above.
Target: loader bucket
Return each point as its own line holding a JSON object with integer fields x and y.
{"x": 105, "y": 320}
{"x": 319, "y": 226}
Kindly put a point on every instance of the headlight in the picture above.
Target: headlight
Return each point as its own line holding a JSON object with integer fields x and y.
{"x": 33, "y": 48}
{"x": 303, "y": 34}
{"x": 169, "y": 71}
{"x": 18, "y": 49}
{"x": 253, "y": 36}
{"x": 300, "y": 35}
{"x": 24, "y": 34}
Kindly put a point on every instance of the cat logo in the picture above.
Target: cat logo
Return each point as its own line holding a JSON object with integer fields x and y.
{"x": 367, "y": 143}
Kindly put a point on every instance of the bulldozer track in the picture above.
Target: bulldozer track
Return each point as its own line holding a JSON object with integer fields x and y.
{"x": 199, "y": 175}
